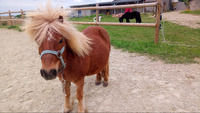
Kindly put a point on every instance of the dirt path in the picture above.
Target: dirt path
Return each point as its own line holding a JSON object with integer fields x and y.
{"x": 189, "y": 20}
{"x": 137, "y": 83}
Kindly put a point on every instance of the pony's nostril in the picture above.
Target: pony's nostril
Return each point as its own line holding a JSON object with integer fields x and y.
{"x": 53, "y": 72}
{"x": 48, "y": 75}
{"x": 42, "y": 72}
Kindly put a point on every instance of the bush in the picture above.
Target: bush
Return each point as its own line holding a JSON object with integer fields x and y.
{"x": 4, "y": 24}
{"x": 15, "y": 27}
{"x": 12, "y": 27}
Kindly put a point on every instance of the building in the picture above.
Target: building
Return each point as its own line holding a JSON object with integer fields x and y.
{"x": 194, "y": 4}
{"x": 167, "y": 6}
{"x": 82, "y": 13}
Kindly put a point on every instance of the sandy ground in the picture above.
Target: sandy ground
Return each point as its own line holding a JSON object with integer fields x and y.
{"x": 136, "y": 83}
{"x": 189, "y": 20}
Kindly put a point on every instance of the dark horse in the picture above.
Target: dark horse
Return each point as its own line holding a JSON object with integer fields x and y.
{"x": 131, "y": 15}
{"x": 67, "y": 53}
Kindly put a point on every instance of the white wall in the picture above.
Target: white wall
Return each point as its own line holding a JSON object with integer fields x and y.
{"x": 195, "y": 4}
{"x": 83, "y": 13}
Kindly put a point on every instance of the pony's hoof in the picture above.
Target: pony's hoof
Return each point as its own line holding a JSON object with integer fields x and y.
{"x": 81, "y": 111}
{"x": 97, "y": 83}
{"x": 105, "y": 84}
{"x": 67, "y": 110}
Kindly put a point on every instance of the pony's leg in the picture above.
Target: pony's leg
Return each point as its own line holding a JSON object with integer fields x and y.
{"x": 106, "y": 75}
{"x": 137, "y": 20}
{"x": 127, "y": 20}
{"x": 67, "y": 107}
{"x": 79, "y": 94}
{"x": 98, "y": 79}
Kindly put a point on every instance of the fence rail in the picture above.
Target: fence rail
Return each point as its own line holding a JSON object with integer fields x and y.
{"x": 97, "y": 8}
{"x": 19, "y": 20}
{"x": 13, "y": 12}
{"x": 117, "y": 7}
{"x": 116, "y": 24}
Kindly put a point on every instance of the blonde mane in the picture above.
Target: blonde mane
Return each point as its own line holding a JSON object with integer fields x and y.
{"x": 43, "y": 22}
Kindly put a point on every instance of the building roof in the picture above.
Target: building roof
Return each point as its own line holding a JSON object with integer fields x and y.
{"x": 120, "y": 2}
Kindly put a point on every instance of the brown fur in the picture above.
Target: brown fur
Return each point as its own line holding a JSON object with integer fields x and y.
{"x": 97, "y": 62}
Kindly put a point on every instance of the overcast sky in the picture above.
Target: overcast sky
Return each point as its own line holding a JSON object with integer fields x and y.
{"x": 17, "y": 5}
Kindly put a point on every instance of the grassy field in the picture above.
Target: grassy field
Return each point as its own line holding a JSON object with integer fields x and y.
{"x": 12, "y": 27}
{"x": 182, "y": 43}
{"x": 195, "y": 12}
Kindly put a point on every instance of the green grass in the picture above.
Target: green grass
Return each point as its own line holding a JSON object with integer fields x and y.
{"x": 182, "y": 43}
{"x": 17, "y": 27}
{"x": 195, "y": 12}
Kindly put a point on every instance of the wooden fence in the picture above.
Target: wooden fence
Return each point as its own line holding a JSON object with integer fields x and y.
{"x": 10, "y": 19}
{"x": 97, "y": 8}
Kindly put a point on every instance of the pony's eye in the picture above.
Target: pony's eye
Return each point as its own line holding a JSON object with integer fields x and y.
{"x": 61, "y": 41}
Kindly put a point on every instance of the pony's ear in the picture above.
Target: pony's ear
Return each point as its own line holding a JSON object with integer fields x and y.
{"x": 60, "y": 18}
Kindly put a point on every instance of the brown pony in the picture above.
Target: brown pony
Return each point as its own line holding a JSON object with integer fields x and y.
{"x": 68, "y": 53}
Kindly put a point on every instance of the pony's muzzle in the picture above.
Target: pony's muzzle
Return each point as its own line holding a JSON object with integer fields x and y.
{"x": 48, "y": 75}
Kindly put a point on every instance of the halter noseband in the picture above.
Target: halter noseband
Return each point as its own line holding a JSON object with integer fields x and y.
{"x": 59, "y": 56}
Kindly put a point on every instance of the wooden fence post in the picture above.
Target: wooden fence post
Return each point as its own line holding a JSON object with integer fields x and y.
{"x": 10, "y": 17}
{"x": 22, "y": 15}
{"x": 97, "y": 13}
{"x": 157, "y": 29}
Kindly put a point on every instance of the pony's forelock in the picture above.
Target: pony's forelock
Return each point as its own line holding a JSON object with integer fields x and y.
{"x": 45, "y": 21}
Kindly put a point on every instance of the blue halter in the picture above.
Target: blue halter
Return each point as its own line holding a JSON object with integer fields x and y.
{"x": 58, "y": 54}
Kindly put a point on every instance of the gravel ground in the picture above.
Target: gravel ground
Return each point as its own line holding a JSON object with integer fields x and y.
{"x": 192, "y": 21}
{"x": 136, "y": 83}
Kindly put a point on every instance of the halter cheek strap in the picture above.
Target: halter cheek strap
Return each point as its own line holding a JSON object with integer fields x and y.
{"x": 58, "y": 54}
